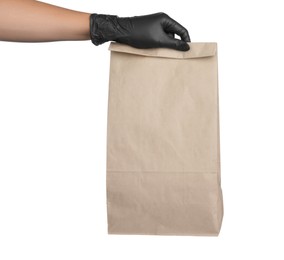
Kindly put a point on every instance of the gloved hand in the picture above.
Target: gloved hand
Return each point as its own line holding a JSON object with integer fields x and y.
{"x": 147, "y": 31}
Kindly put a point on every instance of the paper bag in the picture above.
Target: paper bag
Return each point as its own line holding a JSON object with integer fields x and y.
{"x": 163, "y": 156}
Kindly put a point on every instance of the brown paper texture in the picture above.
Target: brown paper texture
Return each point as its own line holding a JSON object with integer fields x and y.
{"x": 163, "y": 150}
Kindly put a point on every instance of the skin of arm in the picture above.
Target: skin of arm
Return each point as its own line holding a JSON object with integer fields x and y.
{"x": 34, "y": 21}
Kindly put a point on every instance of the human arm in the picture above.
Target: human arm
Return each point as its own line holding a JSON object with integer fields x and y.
{"x": 34, "y": 21}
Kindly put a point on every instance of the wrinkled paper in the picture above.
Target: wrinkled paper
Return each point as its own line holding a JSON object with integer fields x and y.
{"x": 163, "y": 151}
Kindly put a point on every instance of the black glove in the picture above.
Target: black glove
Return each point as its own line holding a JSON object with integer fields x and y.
{"x": 148, "y": 31}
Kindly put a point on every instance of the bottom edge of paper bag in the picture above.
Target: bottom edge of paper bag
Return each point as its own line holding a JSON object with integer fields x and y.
{"x": 165, "y": 234}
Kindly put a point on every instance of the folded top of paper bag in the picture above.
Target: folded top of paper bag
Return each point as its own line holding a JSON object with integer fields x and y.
{"x": 197, "y": 50}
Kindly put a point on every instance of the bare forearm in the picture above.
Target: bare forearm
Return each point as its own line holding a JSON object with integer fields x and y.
{"x": 33, "y": 21}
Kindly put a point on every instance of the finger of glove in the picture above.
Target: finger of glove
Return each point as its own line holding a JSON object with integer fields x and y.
{"x": 176, "y": 44}
{"x": 171, "y": 26}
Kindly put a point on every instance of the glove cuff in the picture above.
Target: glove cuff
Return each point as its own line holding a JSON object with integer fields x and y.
{"x": 102, "y": 28}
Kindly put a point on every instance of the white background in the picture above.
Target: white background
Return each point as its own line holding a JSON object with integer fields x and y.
{"x": 53, "y": 112}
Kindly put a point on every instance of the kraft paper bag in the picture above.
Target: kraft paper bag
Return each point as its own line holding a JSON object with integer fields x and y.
{"x": 163, "y": 152}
